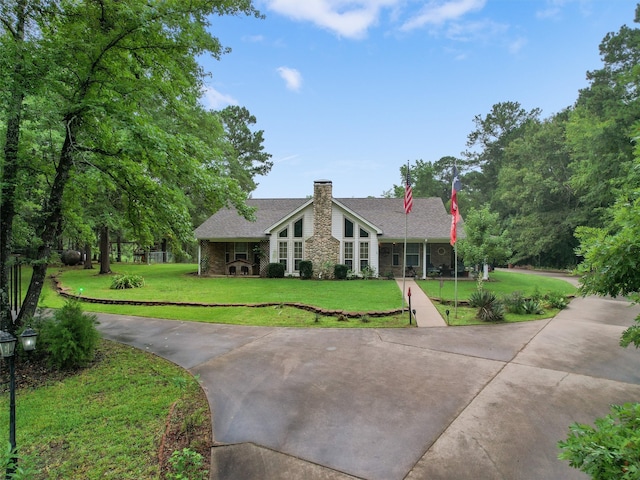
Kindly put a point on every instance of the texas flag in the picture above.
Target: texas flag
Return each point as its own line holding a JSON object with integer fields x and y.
{"x": 455, "y": 213}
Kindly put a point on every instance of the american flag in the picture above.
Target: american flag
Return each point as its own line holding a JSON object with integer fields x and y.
{"x": 408, "y": 195}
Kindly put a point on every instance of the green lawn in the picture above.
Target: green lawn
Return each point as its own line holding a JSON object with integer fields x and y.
{"x": 104, "y": 422}
{"x": 178, "y": 282}
{"x": 501, "y": 283}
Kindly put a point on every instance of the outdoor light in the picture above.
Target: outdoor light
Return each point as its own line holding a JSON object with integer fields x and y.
{"x": 28, "y": 339}
{"x": 7, "y": 344}
{"x": 7, "y": 350}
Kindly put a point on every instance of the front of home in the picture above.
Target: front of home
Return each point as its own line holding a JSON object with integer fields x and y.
{"x": 366, "y": 234}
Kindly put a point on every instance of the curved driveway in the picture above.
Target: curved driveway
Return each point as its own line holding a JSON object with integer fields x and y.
{"x": 482, "y": 402}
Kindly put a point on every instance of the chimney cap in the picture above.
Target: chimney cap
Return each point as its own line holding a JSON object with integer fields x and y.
{"x": 322, "y": 181}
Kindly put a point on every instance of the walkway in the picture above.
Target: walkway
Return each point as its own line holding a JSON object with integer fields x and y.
{"x": 426, "y": 313}
{"x": 482, "y": 402}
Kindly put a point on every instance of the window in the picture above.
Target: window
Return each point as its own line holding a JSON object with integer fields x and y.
{"x": 284, "y": 233}
{"x": 413, "y": 254}
{"x": 348, "y": 228}
{"x": 364, "y": 255}
{"x": 348, "y": 254}
{"x": 364, "y": 233}
{"x": 241, "y": 249}
{"x": 283, "y": 253}
{"x": 297, "y": 229}
{"x": 297, "y": 255}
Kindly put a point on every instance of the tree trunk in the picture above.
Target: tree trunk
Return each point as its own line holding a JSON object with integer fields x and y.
{"x": 88, "y": 265}
{"x": 51, "y": 224}
{"x": 8, "y": 181}
{"x": 105, "y": 263}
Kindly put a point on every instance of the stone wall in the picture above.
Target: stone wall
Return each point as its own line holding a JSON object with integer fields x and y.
{"x": 217, "y": 264}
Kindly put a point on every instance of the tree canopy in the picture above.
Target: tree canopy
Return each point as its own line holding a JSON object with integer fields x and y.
{"x": 548, "y": 178}
{"x": 105, "y": 96}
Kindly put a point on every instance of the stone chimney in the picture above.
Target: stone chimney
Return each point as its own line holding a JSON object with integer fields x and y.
{"x": 322, "y": 248}
{"x": 322, "y": 193}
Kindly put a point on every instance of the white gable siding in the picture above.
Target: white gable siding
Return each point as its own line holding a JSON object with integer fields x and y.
{"x": 337, "y": 230}
{"x": 274, "y": 241}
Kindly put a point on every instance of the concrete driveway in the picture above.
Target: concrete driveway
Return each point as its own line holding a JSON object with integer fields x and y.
{"x": 484, "y": 402}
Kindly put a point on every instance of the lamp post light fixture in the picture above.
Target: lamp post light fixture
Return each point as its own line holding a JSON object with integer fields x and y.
{"x": 7, "y": 350}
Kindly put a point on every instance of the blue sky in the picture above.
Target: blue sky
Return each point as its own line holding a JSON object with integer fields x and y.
{"x": 350, "y": 90}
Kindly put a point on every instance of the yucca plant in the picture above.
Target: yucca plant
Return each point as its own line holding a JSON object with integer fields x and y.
{"x": 490, "y": 309}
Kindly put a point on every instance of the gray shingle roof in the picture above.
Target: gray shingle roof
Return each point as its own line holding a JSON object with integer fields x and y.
{"x": 428, "y": 220}
{"x": 226, "y": 223}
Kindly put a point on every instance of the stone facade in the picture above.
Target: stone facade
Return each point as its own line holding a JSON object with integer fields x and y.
{"x": 322, "y": 247}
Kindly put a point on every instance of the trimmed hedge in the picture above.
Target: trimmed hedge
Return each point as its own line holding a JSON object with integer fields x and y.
{"x": 340, "y": 271}
{"x": 306, "y": 269}
{"x": 275, "y": 270}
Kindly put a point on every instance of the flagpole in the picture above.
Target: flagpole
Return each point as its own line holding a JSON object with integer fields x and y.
{"x": 404, "y": 254}
{"x": 408, "y": 204}
{"x": 455, "y": 283}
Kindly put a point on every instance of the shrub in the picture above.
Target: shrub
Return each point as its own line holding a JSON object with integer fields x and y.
{"x": 368, "y": 272}
{"x": 340, "y": 271}
{"x": 126, "y": 280}
{"x": 610, "y": 449}
{"x": 514, "y": 303}
{"x": 490, "y": 309}
{"x": 70, "y": 337}
{"x": 306, "y": 269}
{"x": 532, "y": 306}
{"x": 556, "y": 300}
{"x": 275, "y": 270}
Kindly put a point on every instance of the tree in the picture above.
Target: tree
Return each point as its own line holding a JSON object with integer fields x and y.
{"x": 20, "y": 77}
{"x": 246, "y": 157}
{"x": 123, "y": 101}
{"x": 486, "y": 145}
{"x": 428, "y": 179}
{"x": 485, "y": 241}
{"x": 535, "y": 197}
{"x": 599, "y": 128}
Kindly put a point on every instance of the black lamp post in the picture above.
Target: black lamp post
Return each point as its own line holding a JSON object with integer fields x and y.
{"x": 7, "y": 350}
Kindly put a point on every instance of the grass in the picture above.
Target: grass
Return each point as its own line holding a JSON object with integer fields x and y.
{"x": 177, "y": 282}
{"x": 502, "y": 284}
{"x": 105, "y": 422}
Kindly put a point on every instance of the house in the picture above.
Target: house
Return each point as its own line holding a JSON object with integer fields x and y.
{"x": 363, "y": 233}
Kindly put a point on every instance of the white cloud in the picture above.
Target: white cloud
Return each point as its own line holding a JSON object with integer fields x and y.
{"x": 215, "y": 100}
{"x": 440, "y": 12}
{"x": 517, "y": 45}
{"x": 292, "y": 78}
{"x": 253, "y": 38}
{"x": 347, "y": 18}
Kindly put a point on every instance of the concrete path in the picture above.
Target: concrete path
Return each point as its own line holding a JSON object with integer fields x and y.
{"x": 426, "y": 313}
{"x": 481, "y": 402}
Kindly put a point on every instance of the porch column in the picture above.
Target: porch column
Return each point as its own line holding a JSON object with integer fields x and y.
{"x": 199, "y": 258}
{"x": 424, "y": 260}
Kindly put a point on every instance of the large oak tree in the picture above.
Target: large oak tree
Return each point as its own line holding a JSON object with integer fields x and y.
{"x": 117, "y": 87}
